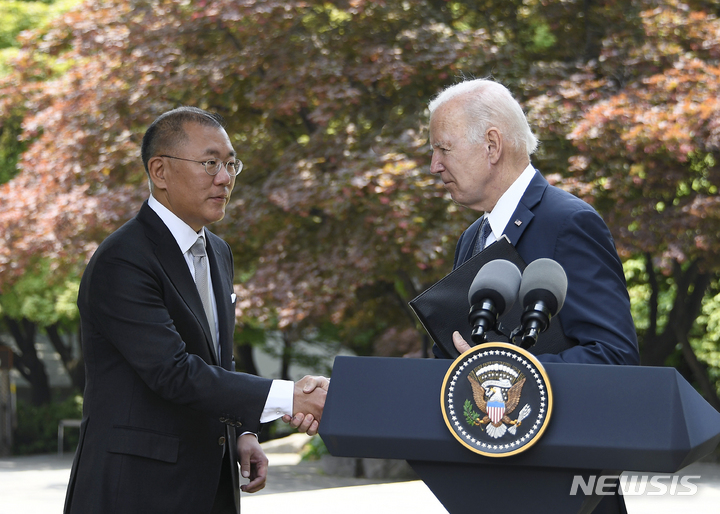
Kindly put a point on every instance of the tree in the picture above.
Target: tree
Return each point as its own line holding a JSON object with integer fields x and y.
{"x": 646, "y": 140}
{"x": 25, "y": 303}
{"x": 335, "y": 221}
{"x": 40, "y": 301}
{"x": 310, "y": 139}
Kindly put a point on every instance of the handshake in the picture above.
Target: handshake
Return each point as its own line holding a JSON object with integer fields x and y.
{"x": 308, "y": 403}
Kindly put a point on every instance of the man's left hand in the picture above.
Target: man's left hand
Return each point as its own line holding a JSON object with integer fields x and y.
{"x": 253, "y": 462}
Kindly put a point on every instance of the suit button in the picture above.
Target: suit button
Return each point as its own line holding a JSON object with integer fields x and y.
{"x": 221, "y": 441}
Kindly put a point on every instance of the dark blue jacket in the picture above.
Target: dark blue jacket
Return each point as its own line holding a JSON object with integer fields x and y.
{"x": 552, "y": 223}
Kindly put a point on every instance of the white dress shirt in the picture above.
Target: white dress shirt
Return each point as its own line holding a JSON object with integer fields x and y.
{"x": 506, "y": 205}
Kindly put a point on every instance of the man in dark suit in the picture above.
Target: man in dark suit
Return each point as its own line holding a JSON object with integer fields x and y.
{"x": 162, "y": 401}
{"x": 481, "y": 150}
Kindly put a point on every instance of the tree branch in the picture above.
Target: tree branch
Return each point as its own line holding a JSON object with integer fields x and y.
{"x": 654, "y": 294}
{"x": 63, "y": 349}
{"x": 699, "y": 371}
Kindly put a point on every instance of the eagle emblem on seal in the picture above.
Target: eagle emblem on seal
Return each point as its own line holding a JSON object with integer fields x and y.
{"x": 497, "y": 399}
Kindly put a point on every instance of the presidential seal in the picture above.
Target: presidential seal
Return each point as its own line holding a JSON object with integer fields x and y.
{"x": 496, "y": 399}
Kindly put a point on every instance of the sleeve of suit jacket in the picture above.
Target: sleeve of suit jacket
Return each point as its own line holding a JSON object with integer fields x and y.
{"x": 596, "y": 312}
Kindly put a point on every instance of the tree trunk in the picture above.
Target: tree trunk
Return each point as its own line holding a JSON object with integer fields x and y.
{"x": 700, "y": 374}
{"x": 691, "y": 286}
{"x": 245, "y": 359}
{"x": 286, "y": 356}
{"x": 74, "y": 366}
{"x": 27, "y": 361}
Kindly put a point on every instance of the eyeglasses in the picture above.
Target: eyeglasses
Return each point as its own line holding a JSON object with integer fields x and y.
{"x": 213, "y": 166}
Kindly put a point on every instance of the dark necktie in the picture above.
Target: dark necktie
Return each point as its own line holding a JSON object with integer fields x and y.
{"x": 483, "y": 232}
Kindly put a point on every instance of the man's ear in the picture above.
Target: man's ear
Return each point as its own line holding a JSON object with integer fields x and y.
{"x": 156, "y": 169}
{"x": 494, "y": 142}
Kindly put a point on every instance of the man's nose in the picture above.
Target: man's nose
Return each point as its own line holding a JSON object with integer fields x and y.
{"x": 435, "y": 164}
{"x": 223, "y": 177}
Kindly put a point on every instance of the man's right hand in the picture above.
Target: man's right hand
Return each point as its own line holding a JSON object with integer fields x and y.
{"x": 308, "y": 404}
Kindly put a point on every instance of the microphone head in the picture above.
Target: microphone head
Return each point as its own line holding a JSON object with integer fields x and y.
{"x": 544, "y": 280}
{"x": 497, "y": 280}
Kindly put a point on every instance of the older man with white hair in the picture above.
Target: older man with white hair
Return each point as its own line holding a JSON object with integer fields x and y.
{"x": 482, "y": 144}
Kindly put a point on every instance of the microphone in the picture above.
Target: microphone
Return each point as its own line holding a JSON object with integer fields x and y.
{"x": 491, "y": 294}
{"x": 542, "y": 294}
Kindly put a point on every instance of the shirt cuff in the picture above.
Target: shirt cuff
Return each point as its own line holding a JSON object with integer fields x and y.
{"x": 279, "y": 401}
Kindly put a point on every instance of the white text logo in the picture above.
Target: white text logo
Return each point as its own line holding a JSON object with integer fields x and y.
{"x": 635, "y": 485}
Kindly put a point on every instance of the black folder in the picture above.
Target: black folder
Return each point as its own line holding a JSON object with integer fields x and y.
{"x": 443, "y": 308}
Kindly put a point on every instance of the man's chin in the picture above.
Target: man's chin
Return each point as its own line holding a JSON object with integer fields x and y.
{"x": 215, "y": 217}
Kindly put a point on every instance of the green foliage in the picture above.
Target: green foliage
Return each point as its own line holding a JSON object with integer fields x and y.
{"x": 10, "y": 146}
{"x": 37, "y": 427}
{"x": 470, "y": 415}
{"x": 706, "y": 338}
{"x": 39, "y": 297}
{"x": 17, "y": 16}
{"x": 543, "y": 38}
{"x": 640, "y": 290}
{"x": 314, "y": 449}
{"x": 710, "y": 319}
{"x": 248, "y": 334}
{"x": 359, "y": 339}
{"x": 6, "y": 55}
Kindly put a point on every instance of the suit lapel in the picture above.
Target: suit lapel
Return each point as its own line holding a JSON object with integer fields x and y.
{"x": 173, "y": 262}
{"x": 515, "y": 228}
{"x": 523, "y": 215}
{"x": 222, "y": 287}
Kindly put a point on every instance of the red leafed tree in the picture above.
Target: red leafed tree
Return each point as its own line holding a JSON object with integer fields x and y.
{"x": 336, "y": 220}
{"x": 645, "y": 133}
{"x": 325, "y": 106}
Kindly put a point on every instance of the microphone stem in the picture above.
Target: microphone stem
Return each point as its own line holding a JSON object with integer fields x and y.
{"x": 483, "y": 317}
{"x": 535, "y": 320}
{"x": 529, "y": 338}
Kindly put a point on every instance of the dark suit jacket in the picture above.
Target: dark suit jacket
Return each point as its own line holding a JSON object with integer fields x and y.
{"x": 554, "y": 224}
{"x": 156, "y": 403}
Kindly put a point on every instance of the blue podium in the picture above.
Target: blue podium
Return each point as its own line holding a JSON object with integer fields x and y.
{"x": 605, "y": 420}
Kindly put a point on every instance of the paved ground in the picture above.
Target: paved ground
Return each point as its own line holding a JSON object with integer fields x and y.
{"x": 36, "y": 485}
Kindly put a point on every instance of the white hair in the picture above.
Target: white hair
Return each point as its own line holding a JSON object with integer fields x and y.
{"x": 489, "y": 103}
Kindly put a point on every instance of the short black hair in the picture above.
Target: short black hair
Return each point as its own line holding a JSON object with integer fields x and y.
{"x": 167, "y": 130}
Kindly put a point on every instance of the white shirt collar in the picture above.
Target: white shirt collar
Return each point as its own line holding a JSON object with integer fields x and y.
{"x": 181, "y": 231}
{"x": 505, "y": 207}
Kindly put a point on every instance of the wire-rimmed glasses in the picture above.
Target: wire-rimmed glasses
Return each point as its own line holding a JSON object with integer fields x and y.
{"x": 213, "y": 166}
